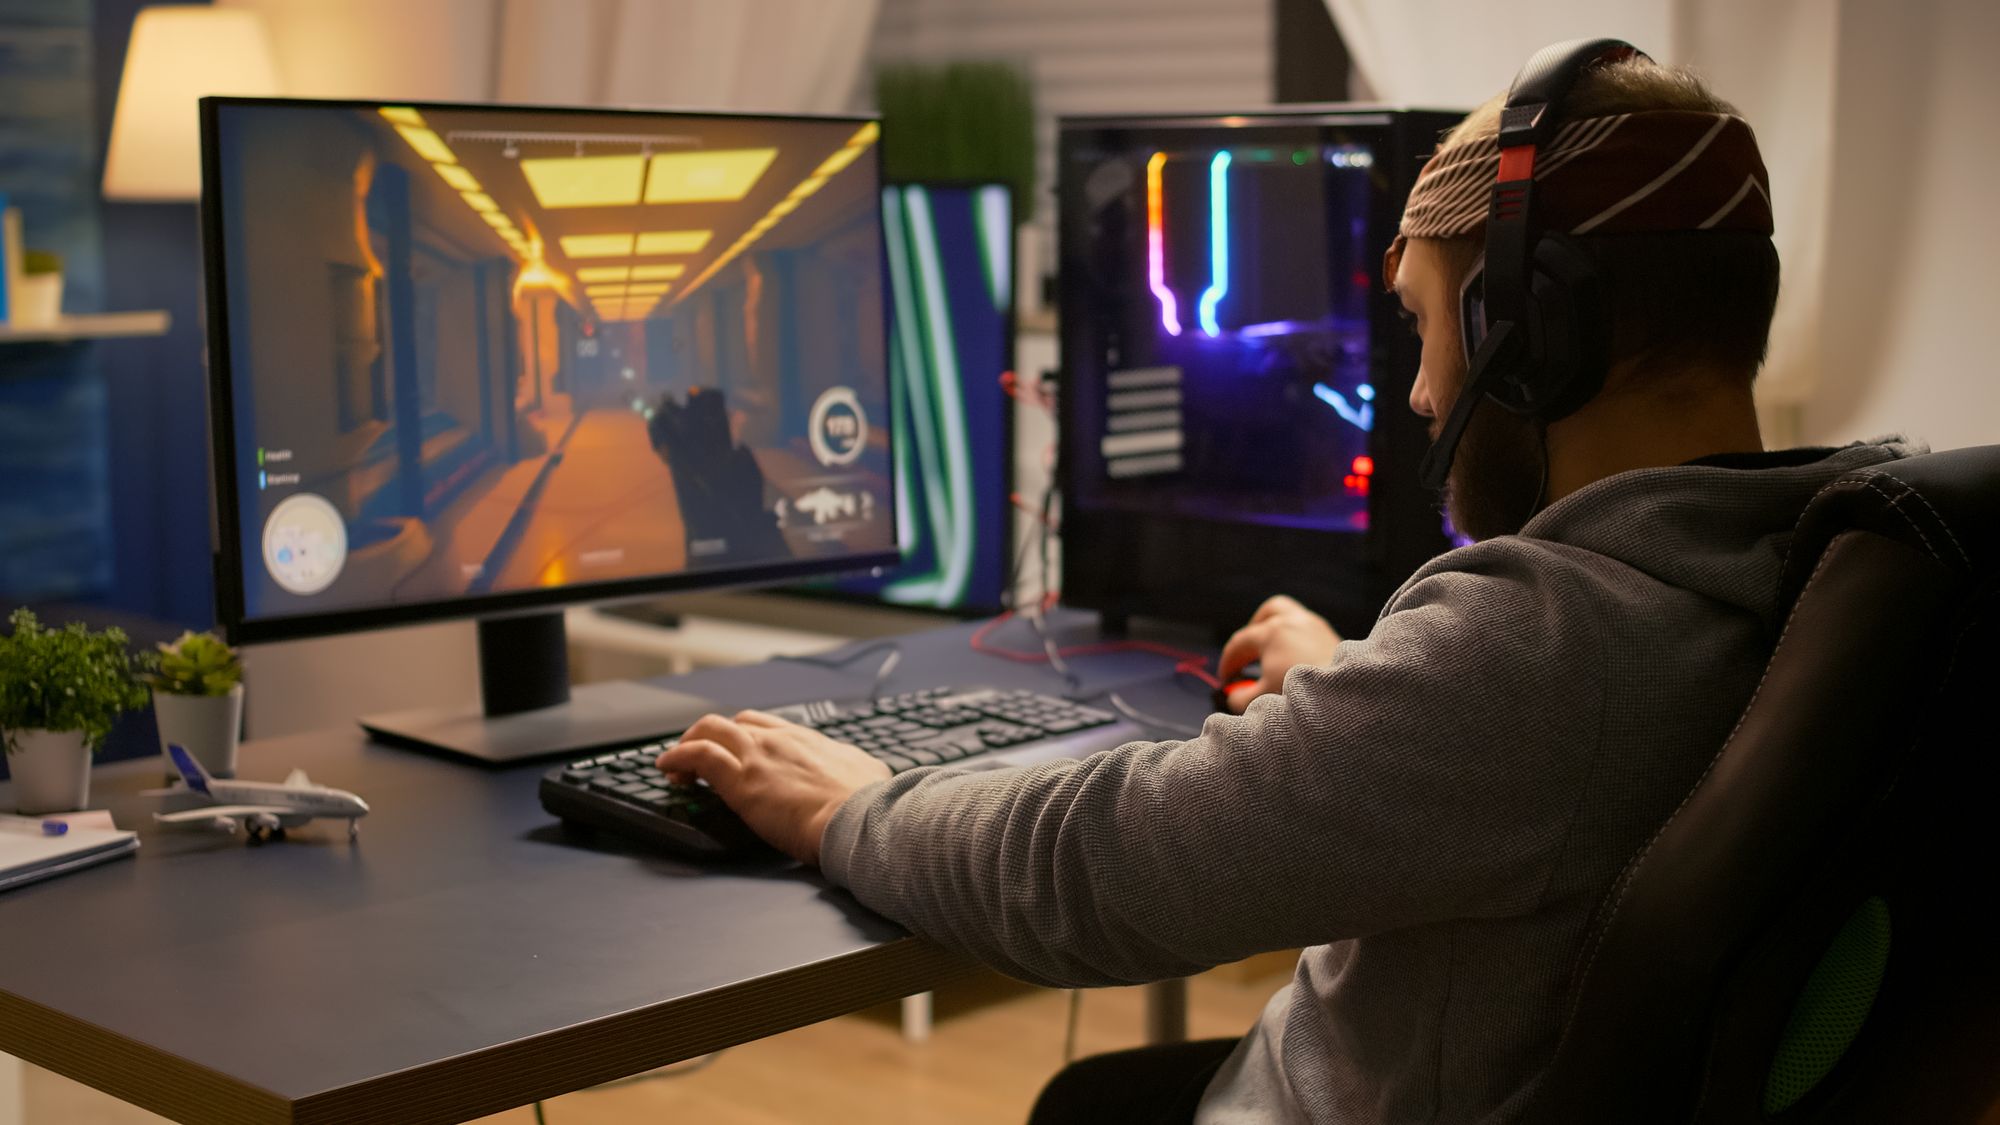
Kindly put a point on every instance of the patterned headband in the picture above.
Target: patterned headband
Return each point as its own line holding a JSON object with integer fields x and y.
{"x": 1663, "y": 170}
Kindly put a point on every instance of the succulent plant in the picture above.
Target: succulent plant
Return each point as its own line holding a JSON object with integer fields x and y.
{"x": 195, "y": 664}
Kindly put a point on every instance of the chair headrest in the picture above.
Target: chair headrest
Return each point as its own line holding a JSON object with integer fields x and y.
{"x": 1946, "y": 505}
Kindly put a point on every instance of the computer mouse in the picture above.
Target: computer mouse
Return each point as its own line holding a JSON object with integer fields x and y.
{"x": 1248, "y": 677}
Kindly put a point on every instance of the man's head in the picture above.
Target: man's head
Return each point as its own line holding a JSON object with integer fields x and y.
{"x": 1690, "y": 309}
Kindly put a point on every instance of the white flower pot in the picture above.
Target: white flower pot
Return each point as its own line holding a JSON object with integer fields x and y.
{"x": 37, "y": 300}
{"x": 50, "y": 771}
{"x": 205, "y": 725}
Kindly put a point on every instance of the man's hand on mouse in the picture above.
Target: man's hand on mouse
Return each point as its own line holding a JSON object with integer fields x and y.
{"x": 1281, "y": 635}
{"x": 786, "y": 781}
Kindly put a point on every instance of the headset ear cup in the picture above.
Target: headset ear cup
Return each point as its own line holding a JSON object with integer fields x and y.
{"x": 1569, "y": 330}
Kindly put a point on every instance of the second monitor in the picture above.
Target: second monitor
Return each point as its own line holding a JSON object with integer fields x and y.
{"x": 951, "y": 352}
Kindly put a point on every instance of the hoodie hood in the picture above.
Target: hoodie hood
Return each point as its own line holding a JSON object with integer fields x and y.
{"x": 1720, "y": 532}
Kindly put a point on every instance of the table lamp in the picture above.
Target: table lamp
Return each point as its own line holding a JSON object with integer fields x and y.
{"x": 178, "y": 55}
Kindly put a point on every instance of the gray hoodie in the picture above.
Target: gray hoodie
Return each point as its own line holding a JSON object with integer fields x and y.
{"x": 1433, "y": 814}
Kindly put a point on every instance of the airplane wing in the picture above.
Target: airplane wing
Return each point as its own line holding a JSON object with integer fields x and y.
{"x": 213, "y": 812}
{"x": 297, "y": 779}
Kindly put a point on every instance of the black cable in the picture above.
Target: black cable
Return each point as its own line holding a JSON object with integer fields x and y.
{"x": 539, "y": 1119}
{"x": 1541, "y": 486}
{"x": 840, "y": 663}
{"x": 1011, "y": 595}
{"x": 1072, "y": 682}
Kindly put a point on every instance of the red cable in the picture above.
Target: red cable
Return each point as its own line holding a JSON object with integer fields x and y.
{"x": 1189, "y": 664}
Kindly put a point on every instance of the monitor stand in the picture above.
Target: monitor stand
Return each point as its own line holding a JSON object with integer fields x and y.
{"x": 529, "y": 709}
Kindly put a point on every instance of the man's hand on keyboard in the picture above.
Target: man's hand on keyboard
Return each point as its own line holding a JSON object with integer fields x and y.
{"x": 786, "y": 781}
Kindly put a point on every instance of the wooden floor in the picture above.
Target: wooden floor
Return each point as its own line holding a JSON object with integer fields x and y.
{"x": 994, "y": 1044}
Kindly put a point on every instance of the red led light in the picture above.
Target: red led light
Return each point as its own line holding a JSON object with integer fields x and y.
{"x": 1364, "y": 466}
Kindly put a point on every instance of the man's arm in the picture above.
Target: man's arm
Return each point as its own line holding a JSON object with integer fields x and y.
{"x": 1429, "y": 772}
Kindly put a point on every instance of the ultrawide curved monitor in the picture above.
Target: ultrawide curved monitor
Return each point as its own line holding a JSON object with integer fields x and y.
{"x": 469, "y": 360}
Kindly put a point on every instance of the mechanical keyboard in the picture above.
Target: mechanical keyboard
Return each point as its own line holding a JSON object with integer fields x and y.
{"x": 624, "y": 793}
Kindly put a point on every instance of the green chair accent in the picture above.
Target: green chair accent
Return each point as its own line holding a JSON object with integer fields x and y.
{"x": 1836, "y": 1002}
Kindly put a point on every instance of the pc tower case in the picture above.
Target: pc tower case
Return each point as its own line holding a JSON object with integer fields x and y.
{"x": 1234, "y": 377}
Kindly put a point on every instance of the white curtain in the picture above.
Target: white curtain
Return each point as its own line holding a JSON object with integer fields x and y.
{"x": 1774, "y": 59}
{"x": 797, "y": 56}
{"x": 794, "y": 56}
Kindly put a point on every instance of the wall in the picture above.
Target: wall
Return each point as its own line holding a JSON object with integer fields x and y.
{"x": 1105, "y": 56}
{"x": 1914, "y": 242}
{"x": 158, "y": 411}
{"x": 55, "y": 518}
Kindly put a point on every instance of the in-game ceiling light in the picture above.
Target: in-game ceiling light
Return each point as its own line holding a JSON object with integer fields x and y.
{"x": 672, "y": 241}
{"x": 723, "y": 176}
{"x": 585, "y": 181}
{"x": 596, "y": 245}
{"x": 429, "y": 145}
{"x": 457, "y": 176}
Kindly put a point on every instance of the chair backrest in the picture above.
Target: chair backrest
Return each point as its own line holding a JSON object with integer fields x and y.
{"x": 1815, "y": 906}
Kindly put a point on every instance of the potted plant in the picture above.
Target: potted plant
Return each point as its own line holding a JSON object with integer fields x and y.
{"x": 60, "y": 691}
{"x": 197, "y": 686}
{"x": 39, "y": 301}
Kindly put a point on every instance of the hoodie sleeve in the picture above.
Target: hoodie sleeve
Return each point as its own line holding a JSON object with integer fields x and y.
{"x": 1428, "y": 772}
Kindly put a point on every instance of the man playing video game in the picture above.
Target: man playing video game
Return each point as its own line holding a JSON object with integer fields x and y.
{"x": 1432, "y": 810}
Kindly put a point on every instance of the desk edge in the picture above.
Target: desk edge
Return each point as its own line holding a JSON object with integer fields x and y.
{"x": 132, "y": 1071}
{"x": 543, "y": 1066}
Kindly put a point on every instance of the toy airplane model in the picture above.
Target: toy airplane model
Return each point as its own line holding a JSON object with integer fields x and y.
{"x": 263, "y": 809}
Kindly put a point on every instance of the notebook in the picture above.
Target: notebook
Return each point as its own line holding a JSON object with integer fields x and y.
{"x": 28, "y": 854}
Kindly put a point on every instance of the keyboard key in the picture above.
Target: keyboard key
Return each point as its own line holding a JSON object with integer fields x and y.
{"x": 953, "y": 747}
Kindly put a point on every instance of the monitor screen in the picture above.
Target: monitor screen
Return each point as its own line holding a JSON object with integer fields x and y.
{"x": 1232, "y": 375}
{"x": 951, "y": 346}
{"x": 472, "y": 358}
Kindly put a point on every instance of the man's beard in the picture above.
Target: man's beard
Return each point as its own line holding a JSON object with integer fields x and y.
{"x": 1498, "y": 475}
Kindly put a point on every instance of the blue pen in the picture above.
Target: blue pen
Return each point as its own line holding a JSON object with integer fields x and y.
{"x": 50, "y": 827}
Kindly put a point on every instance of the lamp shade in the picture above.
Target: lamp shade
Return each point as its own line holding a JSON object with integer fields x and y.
{"x": 178, "y": 55}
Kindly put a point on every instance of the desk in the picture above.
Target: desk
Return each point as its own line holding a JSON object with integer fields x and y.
{"x": 463, "y": 957}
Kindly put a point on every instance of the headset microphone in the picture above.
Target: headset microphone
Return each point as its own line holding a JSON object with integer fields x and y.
{"x": 1479, "y": 379}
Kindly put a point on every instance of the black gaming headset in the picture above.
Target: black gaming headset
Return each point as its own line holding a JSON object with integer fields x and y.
{"x": 1534, "y": 318}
